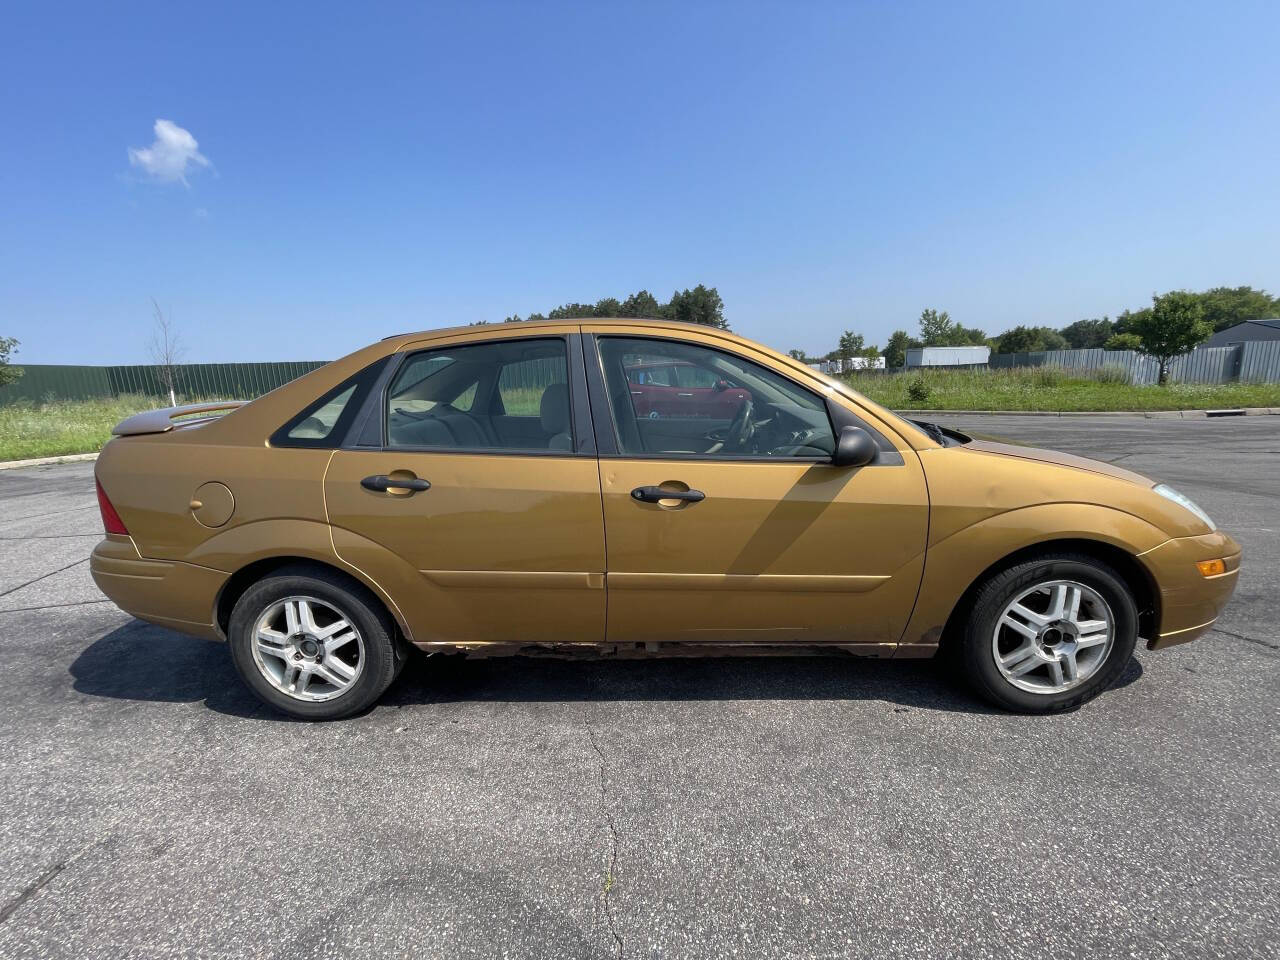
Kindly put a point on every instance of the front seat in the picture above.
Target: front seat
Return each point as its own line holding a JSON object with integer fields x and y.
{"x": 554, "y": 411}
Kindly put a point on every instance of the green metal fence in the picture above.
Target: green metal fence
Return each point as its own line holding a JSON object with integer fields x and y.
{"x": 211, "y": 381}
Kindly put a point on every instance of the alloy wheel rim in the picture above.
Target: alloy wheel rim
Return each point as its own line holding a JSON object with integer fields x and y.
{"x": 1053, "y": 636}
{"x": 308, "y": 649}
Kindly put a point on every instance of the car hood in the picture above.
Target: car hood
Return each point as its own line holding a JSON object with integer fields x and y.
{"x": 1060, "y": 459}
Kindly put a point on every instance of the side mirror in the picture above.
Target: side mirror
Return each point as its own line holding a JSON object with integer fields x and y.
{"x": 855, "y": 448}
{"x": 721, "y": 386}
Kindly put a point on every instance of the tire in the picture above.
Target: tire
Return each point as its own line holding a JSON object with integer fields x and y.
{"x": 369, "y": 657}
{"x": 1043, "y": 589}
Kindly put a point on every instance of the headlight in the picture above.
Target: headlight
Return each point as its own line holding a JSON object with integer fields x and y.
{"x": 1169, "y": 493}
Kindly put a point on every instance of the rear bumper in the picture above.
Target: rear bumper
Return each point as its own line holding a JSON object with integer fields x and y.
{"x": 1189, "y": 602}
{"x": 170, "y": 593}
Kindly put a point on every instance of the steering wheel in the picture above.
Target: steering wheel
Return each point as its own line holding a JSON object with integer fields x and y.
{"x": 742, "y": 428}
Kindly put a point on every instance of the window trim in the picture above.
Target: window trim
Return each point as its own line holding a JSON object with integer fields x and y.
{"x": 351, "y": 413}
{"x": 606, "y": 428}
{"x": 579, "y": 410}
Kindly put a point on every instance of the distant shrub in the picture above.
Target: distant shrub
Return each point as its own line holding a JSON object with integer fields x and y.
{"x": 1111, "y": 373}
{"x": 918, "y": 390}
{"x": 1047, "y": 377}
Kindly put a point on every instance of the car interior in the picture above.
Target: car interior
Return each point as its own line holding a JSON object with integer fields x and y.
{"x": 777, "y": 419}
{"x": 511, "y": 395}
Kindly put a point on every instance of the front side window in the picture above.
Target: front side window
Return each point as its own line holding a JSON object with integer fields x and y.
{"x": 670, "y": 398}
{"x": 506, "y": 395}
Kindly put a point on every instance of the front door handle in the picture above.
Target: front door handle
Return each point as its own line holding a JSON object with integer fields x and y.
{"x": 381, "y": 482}
{"x": 654, "y": 494}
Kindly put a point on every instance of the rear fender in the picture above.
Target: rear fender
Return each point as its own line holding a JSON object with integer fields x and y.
{"x": 239, "y": 547}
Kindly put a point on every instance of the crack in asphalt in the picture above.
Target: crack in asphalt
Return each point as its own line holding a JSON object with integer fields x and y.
{"x": 42, "y": 516}
{"x": 52, "y": 606}
{"x": 611, "y": 875}
{"x": 1240, "y": 636}
{"x": 43, "y": 576}
{"x": 31, "y": 889}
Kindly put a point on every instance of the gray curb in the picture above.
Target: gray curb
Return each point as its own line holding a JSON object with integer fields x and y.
{"x": 44, "y": 461}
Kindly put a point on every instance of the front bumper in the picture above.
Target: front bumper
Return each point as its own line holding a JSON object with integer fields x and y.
{"x": 1189, "y": 602}
{"x": 168, "y": 592}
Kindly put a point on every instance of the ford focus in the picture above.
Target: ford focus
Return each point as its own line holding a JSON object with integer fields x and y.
{"x": 632, "y": 488}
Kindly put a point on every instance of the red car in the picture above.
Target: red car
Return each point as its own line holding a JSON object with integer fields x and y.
{"x": 678, "y": 388}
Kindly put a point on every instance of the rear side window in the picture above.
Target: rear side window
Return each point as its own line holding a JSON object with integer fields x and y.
{"x": 320, "y": 421}
{"x": 508, "y": 395}
{"x": 326, "y": 421}
{"x": 521, "y": 384}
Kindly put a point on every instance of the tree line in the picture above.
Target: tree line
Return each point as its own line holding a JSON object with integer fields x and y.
{"x": 1175, "y": 323}
{"x": 701, "y": 304}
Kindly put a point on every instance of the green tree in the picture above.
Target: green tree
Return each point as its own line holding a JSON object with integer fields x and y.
{"x": 935, "y": 328}
{"x": 514, "y": 318}
{"x": 1123, "y": 341}
{"x": 1226, "y": 306}
{"x": 967, "y": 336}
{"x": 895, "y": 350}
{"x": 607, "y": 307}
{"x": 572, "y": 311}
{"x": 8, "y": 372}
{"x": 1088, "y": 334}
{"x": 642, "y": 304}
{"x": 1174, "y": 325}
{"x": 1126, "y": 319}
{"x": 1029, "y": 339}
{"x": 699, "y": 305}
{"x": 702, "y": 304}
{"x": 851, "y": 345}
{"x": 798, "y": 355}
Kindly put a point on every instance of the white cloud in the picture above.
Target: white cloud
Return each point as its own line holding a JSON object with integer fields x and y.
{"x": 171, "y": 156}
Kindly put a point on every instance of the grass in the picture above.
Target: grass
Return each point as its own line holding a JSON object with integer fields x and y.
{"x": 64, "y": 426}
{"x": 1051, "y": 389}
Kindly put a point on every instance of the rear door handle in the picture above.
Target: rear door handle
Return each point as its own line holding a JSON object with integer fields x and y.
{"x": 383, "y": 483}
{"x": 654, "y": 494}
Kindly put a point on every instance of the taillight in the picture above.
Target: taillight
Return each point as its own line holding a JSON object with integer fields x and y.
{"x": 110, "y": 519}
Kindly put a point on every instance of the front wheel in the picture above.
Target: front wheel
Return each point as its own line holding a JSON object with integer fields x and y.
{"x": 1049, "y": 634}
{"x": 313, "y": 645}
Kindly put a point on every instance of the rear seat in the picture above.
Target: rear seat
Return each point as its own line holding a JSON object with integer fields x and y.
{"x": 444, "y": 426}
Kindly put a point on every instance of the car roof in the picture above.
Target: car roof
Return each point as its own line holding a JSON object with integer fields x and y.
{"x": 540, "y": 324}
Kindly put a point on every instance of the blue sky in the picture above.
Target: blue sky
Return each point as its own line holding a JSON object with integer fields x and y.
{"x": 374, "y": 168}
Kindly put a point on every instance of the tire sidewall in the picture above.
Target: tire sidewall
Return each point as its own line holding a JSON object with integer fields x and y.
{"x": 990, "y": 603}
{"x": 379, "y": 648}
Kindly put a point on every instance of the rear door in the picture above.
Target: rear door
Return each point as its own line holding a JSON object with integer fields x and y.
{"x": 759, "y": 539}
{"x": 474, "y": 497}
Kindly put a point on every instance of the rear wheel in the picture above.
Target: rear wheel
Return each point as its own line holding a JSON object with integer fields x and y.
{"x": 1049, "y": 634}
{"x": 312, "y": 644}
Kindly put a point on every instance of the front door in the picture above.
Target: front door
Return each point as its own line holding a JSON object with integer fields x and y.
{"x": 480, "y": 511}
{"x": 732, "y": 526}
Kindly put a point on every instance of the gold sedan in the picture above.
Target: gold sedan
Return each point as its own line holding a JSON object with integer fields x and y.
{"x": 632, "y": 487}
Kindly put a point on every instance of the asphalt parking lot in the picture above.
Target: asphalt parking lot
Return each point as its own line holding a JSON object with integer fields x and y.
{"x": 654, "y": 809}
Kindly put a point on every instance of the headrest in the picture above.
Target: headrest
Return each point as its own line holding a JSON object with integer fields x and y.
{"x": 554, "y": 408}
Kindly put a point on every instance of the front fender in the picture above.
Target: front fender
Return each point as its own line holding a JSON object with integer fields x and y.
{"x": 955, "y": 562}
